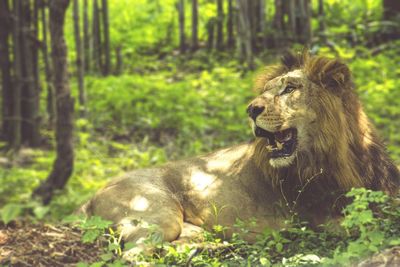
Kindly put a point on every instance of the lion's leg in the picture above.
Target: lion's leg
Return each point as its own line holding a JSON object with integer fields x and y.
{"x": 190, "y": 233}
{"x": 144, "y": 213}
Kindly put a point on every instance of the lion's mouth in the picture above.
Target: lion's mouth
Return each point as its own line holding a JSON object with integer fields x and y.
{"x": 280, "y": 144}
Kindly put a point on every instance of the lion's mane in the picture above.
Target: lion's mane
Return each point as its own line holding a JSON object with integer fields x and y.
{"x": 345, "y": 153}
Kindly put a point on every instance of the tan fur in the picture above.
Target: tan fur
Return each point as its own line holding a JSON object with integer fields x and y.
{"x": 338, "y": 150}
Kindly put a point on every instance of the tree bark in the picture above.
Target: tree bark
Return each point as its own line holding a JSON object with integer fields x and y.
{"x": 63, "y": 164}
{"x": 229, "y": 25}
{"x": 106, "y": 31}
{"x": 182, "y": 37}
{"x": 97, "y": 54}
{"x": 220, "y": 23}
{"x": 195, "y": 23}
{"x": 262, "y": 24}
{"x": 292, "y": 20}
{"x": 244, "y": 32}
{"x": 80, "y": 71}
{"x": 86, "y": 37}
{"x": 51, "y": 105}
{"x": 5, "y": 65}
{"x": 321, "y": 21}
{"x": 391, "y": 8}
{"x": 278, "y": 23}
{"x": 304, "y": 32}
{"x": 119, "y": 64}
{"x": 15, "y": 127}
{"x": 210, "y": 33}
{"x": 29, "y": 94}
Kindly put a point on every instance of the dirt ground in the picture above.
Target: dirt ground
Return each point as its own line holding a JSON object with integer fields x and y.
{"x": 28, "y": 244}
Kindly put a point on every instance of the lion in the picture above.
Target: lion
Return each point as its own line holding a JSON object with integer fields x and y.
{"x": 313, "y": 142}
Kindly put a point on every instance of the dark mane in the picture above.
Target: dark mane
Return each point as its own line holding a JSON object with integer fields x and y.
{"x": 347, "y": 151}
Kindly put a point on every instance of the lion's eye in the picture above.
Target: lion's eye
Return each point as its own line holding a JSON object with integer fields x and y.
{"x": 288, "y": 89}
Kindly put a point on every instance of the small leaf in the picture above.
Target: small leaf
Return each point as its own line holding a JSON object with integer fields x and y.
{"x": 90, "y": 235}
{"x": 265, "y": 262}
{"x": 10, "y": 212}
{"x": 40, "y": 211}
{"x": 106, "y": 257}
{"x": 113, "y": 246}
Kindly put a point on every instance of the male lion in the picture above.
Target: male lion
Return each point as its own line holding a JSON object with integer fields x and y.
{"x": 313, "y": 143}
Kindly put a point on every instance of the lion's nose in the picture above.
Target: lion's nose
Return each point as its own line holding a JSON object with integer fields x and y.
{"x": 254, "y": 111}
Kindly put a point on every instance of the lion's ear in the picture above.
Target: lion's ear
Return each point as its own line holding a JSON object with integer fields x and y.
{"x": 292, "y": 60}
{"x": 331, "y": 73}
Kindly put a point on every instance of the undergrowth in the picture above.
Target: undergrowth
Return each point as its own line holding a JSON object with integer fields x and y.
{"x": 151, "y": 116}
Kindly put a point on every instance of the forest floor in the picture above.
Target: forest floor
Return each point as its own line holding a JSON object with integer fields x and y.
{"x": 26, "y": 244}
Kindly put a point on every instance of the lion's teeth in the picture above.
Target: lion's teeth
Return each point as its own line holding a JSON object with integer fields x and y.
{"x": 279, "y": 145}
{"x": 269, "y": 148}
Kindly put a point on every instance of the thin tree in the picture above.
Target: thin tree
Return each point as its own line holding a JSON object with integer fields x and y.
{"x": 86, "y": 38}
{"x": 51, "y": 104}
{"x": 29, "y": 93}
{"x": 278, "y": 23}
{"x": 210, "y": 33}
{"x": 292, "y": 20}
{"x": 97, "y": 53}
{"x": 80, "y": 71}
{"x": 244, "y": 33}
{"x": 63, "y": 165}
{"x": 391, "y": 9}
{"x": 195, "y": 22}
{"x": 229, "y": 25}
{"x": 220, "y": 23}
{"x": 15, "y": 121}
{"x": 262, "y": 24}
{"x": 106, "y": 31}
{"x": 5, "y": 65}
{"x": 321, "y": 21}
{"x": 304, "y": 32}
{"x": 182, "y": 37}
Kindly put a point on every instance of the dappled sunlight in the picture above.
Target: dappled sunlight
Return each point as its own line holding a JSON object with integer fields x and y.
{"x": 139, "y": 203}
{"x": 221, "y": 161}
{"x": 205, "y": 184}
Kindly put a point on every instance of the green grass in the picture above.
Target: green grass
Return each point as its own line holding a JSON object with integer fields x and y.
{"x": 173, "y": 109}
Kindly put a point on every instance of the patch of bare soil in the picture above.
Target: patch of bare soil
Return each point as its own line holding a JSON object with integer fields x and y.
{"x": 27, "y": 244}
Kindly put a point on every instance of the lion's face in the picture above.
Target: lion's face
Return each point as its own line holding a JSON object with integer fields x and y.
{"x": 283, "y": 115}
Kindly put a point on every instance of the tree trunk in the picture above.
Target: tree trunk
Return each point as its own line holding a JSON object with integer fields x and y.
{"x": 391, "y": 8}
{"x": 15, "y": 127}
{"x": 304, "y": 32}
{"x": 244, "y": 32}
{"x": 96, "y": 37}
{"x": 86, "y": 37}
{"x": 35, "y": 54}
{"x": 321, "y": 21}
{"x": 262, "y": 24}
{"x": 220, "y": 23}
{"x": 118, "y": 68}
{"x": 5, "y": 65}
{"x": 106, "y": 31}
{"x": 278, "y": 23}
{"x": 210, "y": 33}
{"x": 63, "y": 164}
{"x": 292, "y": 20}
{"x": 229, "y": 25}
{"x": 51, "y": 105}
{"x": 29, "y": 93}
{"x": 195, "y": 22}
{"x": 182, "y": 38}
{"x": 79, "y": 59}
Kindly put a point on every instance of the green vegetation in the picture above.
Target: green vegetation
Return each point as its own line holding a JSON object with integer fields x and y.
{"x": 166, "y": 106}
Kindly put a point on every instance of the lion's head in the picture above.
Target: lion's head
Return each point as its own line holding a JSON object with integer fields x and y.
{"x": 308, "y": 120}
